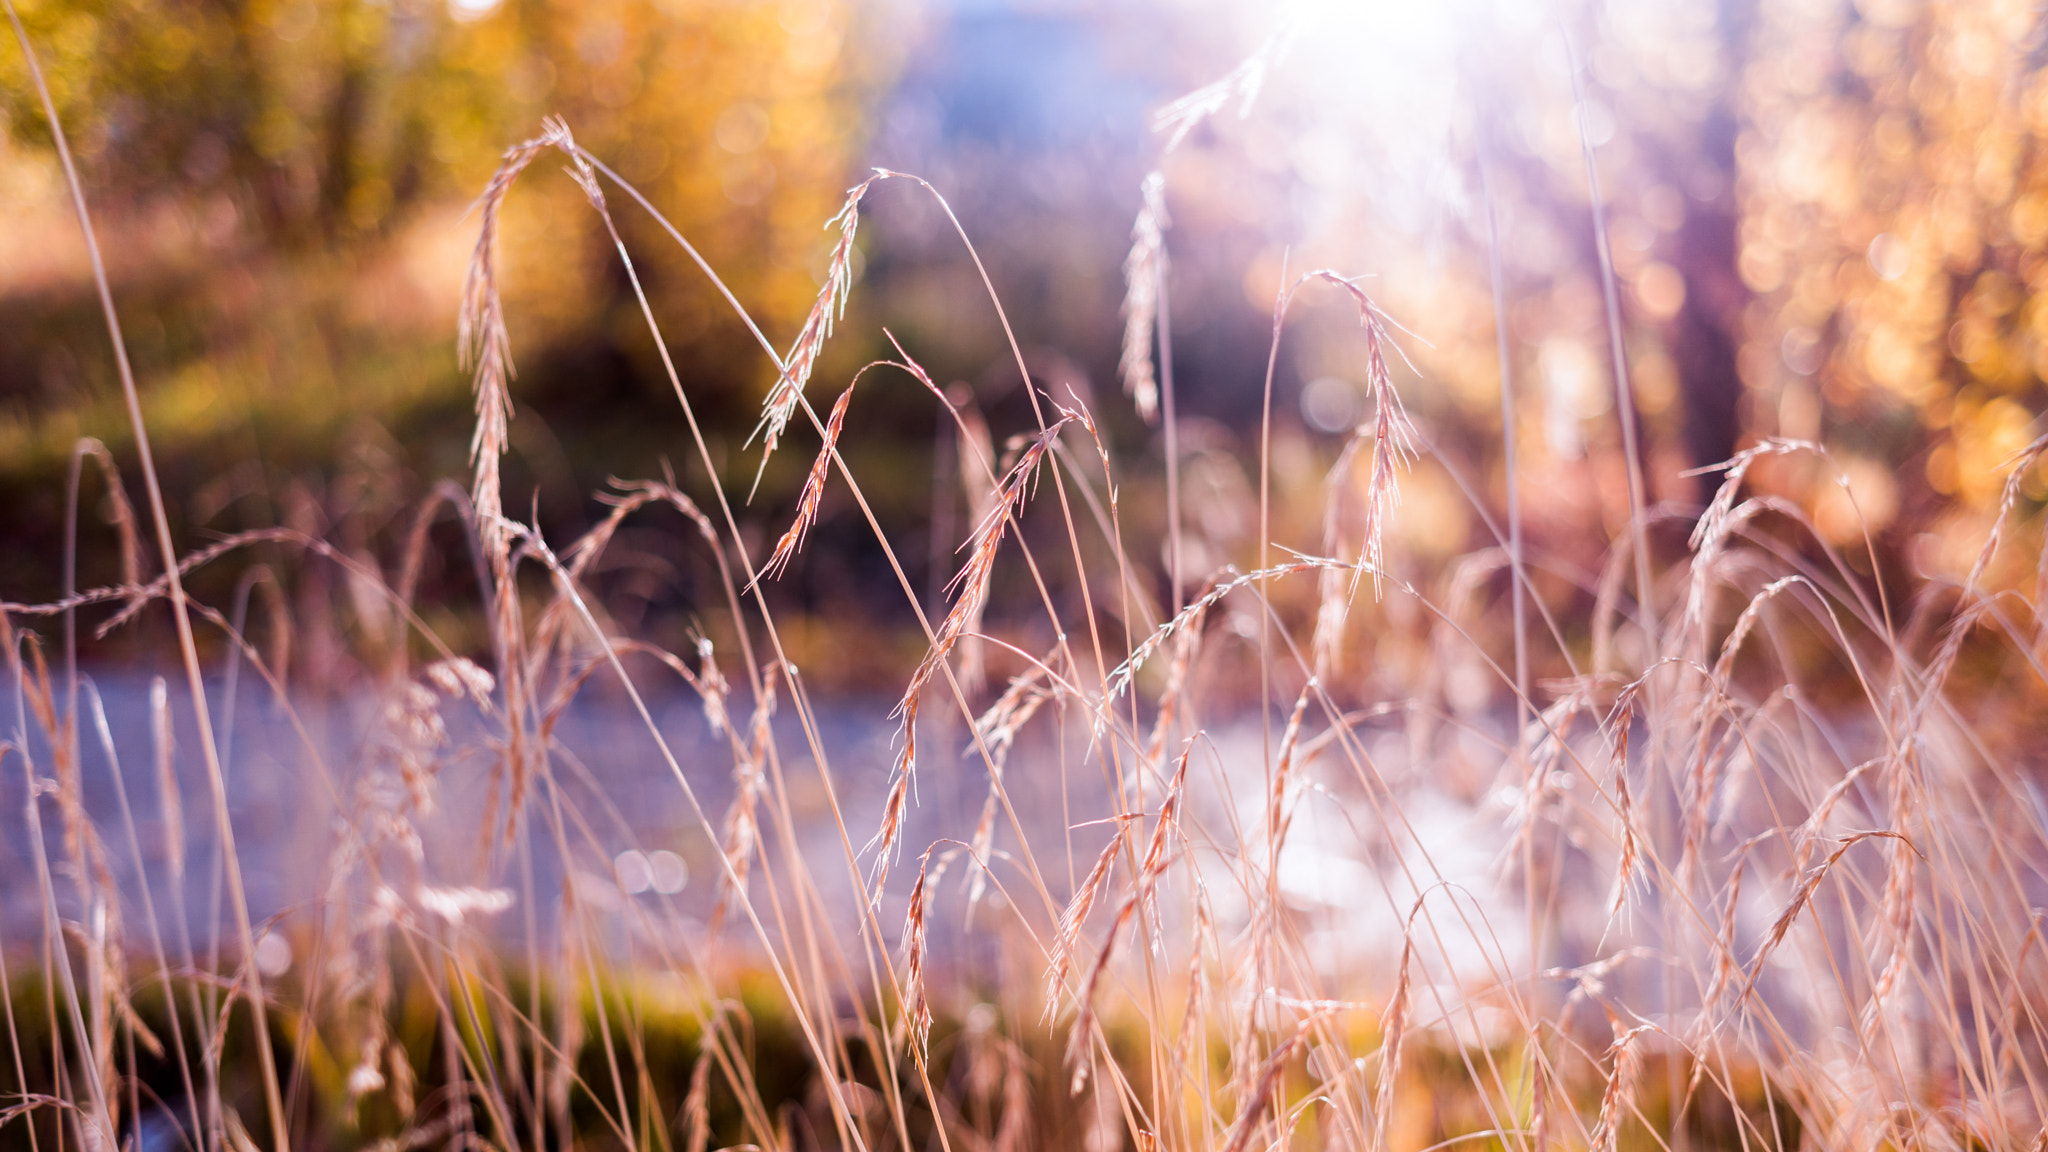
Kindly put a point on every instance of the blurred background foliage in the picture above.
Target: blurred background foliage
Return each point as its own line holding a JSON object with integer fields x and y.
{"x": 1827, "y": 220}
{"x": 283, "y": 192}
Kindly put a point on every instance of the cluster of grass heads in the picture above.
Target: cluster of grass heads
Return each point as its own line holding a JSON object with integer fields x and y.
{"x": 1755, "y": 874}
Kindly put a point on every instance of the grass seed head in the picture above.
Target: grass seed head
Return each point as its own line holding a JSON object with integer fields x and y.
{"x": 1144, "y": 269}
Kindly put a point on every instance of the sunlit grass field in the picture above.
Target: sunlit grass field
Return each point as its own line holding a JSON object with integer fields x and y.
{"x": 1155, "y": 836}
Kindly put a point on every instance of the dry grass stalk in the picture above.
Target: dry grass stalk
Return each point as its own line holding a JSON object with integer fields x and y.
{"x": 715, "y": 690}
{"x": 1718, "y": 524}
{"x": 1620, "y": 722}
{"x": 120, "y": 513}
{"x": 1334, "y": 586}
{"x": 782, "y": 399}
{"x": 969, "y": 589}
{"x": 481, "y": 336}
{"x": 1707, "y": 1024}
{"x": 1223, "y": 584}
{"x": 1252, "y": 1111}
{"x": 1071, "y": 920}
{"x": 813, "y": 490}
{"x": 982, "y": 843}
{"x": 1607, "y": 611}
{"x": 101, "y": 937}
{"x": 1195, "y": 1030}
{"x": 1547, "y": 747}
{"x": 1810, "y": 833}
{"x": 82, "y": 843}
{"x": 1187, "y": 642}
{"x": 1193, "y": 1024}
{"x": 1241, "y": 83}
{"x": 485, "y": 345}
{"x": 1393, "y": 436}
{"x": 1539, "y": 1103}
{"x": 976, "y": 457}
{"x": 697, "y": 1105}
{"x": 997, "y": 727}
{"x": 1703, "y": 775}
{"x": 1278, "y": 817}
{"x": 1014, "y": 1134}
{"x": 996, "y": 730}
{"x": 1167, "y": 825}
{"x": 1966, "y": 619}
{"x": 1800, "y": 898}
{"x": 1144, "y": 267}
{"x": 96, "y": 1114}
{"x": 1619, "y": 1095}
{"x": 1899, "y": 887}
{"x": 170, "y": 809}
{"x": 1393, "y": 1031}
{"x": 631, "y": 495}
{"x": 461, "y": 677}
{"x": 446, "y": 493}
{"x": 1079, "y": 1050}
{"x": 742, "y": 832}
{"x": 140, "y": 595}
{"x": 1589, "y": 981}
{"x": 1188, "y": 620}
{"x": 569, "y": 1028}
{"x": 1724, "y": 666}
{"x": 1151, "y": 867}
{"x": 918, "y": 1009}
{"x": 969, "y": 586}
{"x": 1156, "y": 849}
{"x": 896, "y": 805}
{"x": 1725, "y": 963}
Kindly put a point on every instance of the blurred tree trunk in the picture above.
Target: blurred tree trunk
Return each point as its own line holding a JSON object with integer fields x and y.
{"x": 1706, "y": 333}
